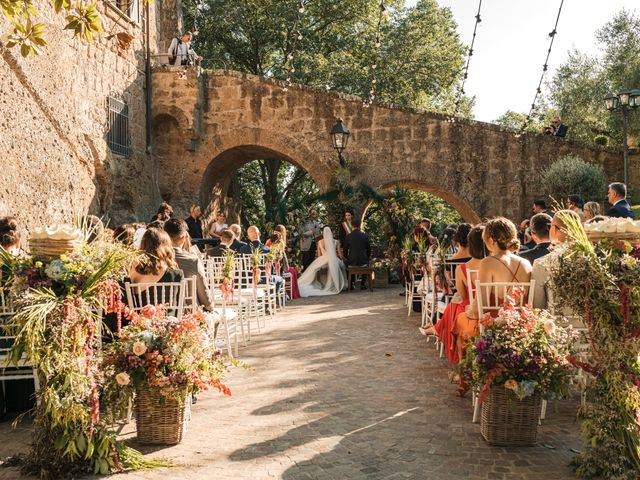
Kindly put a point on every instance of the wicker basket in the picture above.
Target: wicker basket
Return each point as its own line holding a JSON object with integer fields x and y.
{"x": 160, "y": 421}
{"x": 509, "y": 422}
{"x": 381, "y": 279}
{"x": 629, "y": 236}
{"x": 48, "y": 248}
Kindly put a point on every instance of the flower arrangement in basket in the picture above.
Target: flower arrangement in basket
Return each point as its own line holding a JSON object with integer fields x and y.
{"x": 521, "y": 357}
{"x": 164, "y": 360}
{"x": 57, "y": 297}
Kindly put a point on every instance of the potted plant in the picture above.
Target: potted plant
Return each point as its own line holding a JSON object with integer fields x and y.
{"x": 520, "y": 358}
{"x": 164, "y": 361}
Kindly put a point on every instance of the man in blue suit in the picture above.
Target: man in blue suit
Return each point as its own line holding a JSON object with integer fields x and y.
{"x": 617, "y": 196}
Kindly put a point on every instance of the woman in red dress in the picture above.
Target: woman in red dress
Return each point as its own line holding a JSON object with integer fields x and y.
{"x": 444, "y": 328}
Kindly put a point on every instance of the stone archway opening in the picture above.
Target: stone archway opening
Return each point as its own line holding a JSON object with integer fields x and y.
{"x": 404, "y": 204}
{"x": 257, "y": 185}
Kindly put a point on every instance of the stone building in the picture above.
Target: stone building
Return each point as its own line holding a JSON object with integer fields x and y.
{"x": 73, "y": 123}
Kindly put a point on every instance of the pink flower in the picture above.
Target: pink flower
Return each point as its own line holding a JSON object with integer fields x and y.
{"x": 139, "y": 348}
{"x": 511, "y": 385}
{"x": 549, "y": 327}
{"x": 148, "y": 311}
{"x": 123, "y": 379}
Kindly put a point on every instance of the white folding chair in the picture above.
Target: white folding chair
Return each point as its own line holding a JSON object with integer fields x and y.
{"x": 490, "y": 298}
{"x": 171, "y": 295}
{"x": 24, "y": 370}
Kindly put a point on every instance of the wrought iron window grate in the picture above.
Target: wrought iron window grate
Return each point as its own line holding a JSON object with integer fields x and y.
{"x": 118, "y": 133}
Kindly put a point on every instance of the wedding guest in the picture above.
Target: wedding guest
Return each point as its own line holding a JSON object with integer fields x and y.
{"x": 461, "y": 244}
{"x": 278, "y": 239}
{"x": 226, "y": 242}
{"x": 253, "y": 234}
{"x": 617, "y": 197}
{"x": 237, "y": 234}
{"x": 421, "y": 236}
{"x": 217, "y": 226}
{"x": 190, "y": 264}
{"x": 16, "y": 395}
{"x": 543, "y": 296}
{"x": 10, "y": 235}
{"x": 125, "y": 233}
{"x": 539, "y": 206}
{"x": 158, "y": 262}
{"x": 575, "y": 203}
{"x": 194, "y": 222}
{"x": 444, "y": 328}
{"x": 164, "y": 213}
{"x": 309, "y": 231}
{"x": 591, "y": 210}
{"x": 157, "y": 224}
{"x": 524, "y": 224}
{"x": 559, "y": 128}
{"x": 426, "y": 223}
{"x": 540, "y": 225}
{"x": 529, "y": 243}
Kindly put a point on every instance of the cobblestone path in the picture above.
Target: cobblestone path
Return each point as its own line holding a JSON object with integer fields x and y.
{"x": 345, "y": 388}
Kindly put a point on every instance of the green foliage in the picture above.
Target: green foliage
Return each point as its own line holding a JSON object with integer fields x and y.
{"x": 601, "y": 283}
{"x": 602, "y": 140}
{"x": 572, "y": 175}
{"x": 268, "y": 190}
{"x": 420, "y": 62}
{"x": 515, "y": 120}
{"x": 390, "y": 220}
{"x": 580, "y": 84}
{"x": 28, "y": 34}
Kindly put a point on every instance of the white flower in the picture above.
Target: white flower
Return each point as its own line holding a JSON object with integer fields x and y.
{"x": 139, "y": 348}
{"x": 55, "y": 270}
{"x": 123, "y": 378}
{"x": 549, "y": 327}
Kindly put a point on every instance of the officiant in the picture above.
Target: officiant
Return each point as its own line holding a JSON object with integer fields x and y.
{"x": 345, "y": 229}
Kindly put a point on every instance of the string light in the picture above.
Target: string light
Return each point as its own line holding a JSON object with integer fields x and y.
{"x": 461, "y": 91}
{"x": 374, "y": 66}
{"x": 545, "y": 68}
{"x": 290, "y": 57}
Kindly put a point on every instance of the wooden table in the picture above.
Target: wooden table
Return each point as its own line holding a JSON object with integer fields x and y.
{"x": 368, "y": 271}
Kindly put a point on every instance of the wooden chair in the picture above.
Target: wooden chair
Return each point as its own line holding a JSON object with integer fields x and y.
{"x": 24, "y": 370}
{"x": 171, "y": 295}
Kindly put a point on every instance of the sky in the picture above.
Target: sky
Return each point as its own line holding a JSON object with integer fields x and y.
{"x": 512, "y": 42}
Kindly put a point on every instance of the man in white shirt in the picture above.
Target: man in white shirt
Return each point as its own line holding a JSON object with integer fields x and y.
{"x": 180, "y": 51}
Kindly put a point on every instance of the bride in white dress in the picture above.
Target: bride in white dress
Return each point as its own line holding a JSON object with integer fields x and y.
{"x": 326, "y": 275}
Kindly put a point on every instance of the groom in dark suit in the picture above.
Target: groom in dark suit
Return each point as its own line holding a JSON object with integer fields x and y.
{"x": 357, "y": 248}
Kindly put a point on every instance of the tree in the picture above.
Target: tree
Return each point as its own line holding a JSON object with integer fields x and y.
{"x": 27, "y": 33}
{"x": 580, "y": 84}
{"x": 515, "y": 120}
{"x": 420, "y": 61}
{"x": 572, "y": 175}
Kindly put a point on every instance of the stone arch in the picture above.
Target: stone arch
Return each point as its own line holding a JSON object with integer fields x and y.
{"x": 463, "y": 207}
{"x": 217, "y": 176}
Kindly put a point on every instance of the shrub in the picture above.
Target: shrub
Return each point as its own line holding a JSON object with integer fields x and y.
{"x": 602, "y": 140}
{"x": 572, "y": 175}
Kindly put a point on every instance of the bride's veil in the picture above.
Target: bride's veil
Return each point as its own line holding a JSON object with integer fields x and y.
{"x": 335, "y": 272}
{"x": 329, "y": 242}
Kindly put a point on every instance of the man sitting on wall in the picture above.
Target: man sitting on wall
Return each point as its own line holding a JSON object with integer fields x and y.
{"x": 180, "y": 51}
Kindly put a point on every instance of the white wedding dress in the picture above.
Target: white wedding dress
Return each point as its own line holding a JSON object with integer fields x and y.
{"x": 326, "y": 275}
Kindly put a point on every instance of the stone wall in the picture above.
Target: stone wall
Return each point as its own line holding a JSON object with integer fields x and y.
{"x": 54, "y": 122}
{"x": 211, "y": 123}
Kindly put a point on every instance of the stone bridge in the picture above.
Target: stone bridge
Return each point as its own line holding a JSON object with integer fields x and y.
{"x": 208, "y": 125}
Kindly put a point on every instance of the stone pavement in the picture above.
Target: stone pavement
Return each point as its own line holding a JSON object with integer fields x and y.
{"x": 346, "y": 388}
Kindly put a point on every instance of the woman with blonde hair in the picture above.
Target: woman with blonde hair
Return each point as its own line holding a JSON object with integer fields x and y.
{"x": 591, "y": 210}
